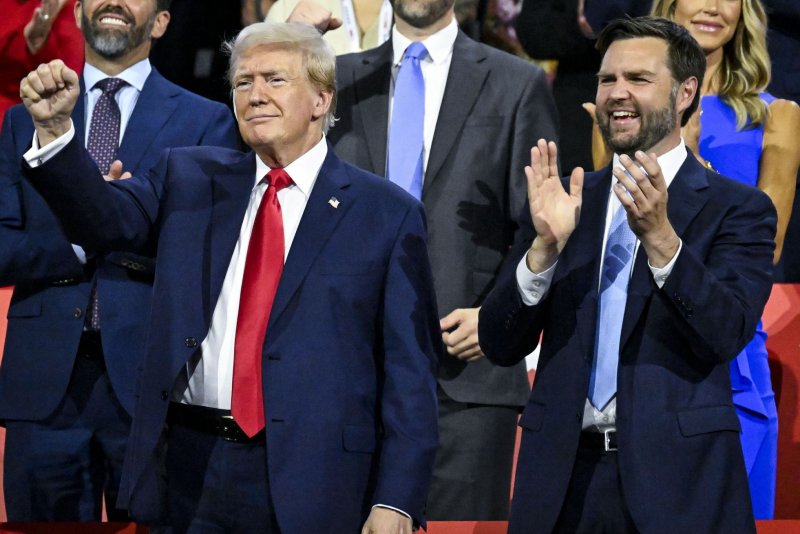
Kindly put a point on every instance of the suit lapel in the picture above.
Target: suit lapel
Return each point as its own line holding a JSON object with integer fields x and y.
{"x": 230, "y": 192}
{"x": 687, "y": 196}
{"x": 79, "y": 115}
{"x": 145, "y": 123}
{"x": 319, "y": 220}
{"x": 372, "y": 85}
{"x": 468, "y": 70}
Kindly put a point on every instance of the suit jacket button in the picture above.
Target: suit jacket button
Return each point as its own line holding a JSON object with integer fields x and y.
{"x": 77, "y": 313}
{"x": 164, "y": 395}
{"x": 190, "y": 342}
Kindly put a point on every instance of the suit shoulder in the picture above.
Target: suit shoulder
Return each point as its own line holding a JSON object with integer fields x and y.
{"x": 203, "y": 155}
{"x": 379, "y": 188}
{"x": 736, "y": 192}
{"x": 513, "y": 65}
{"x": 188, "y": 98}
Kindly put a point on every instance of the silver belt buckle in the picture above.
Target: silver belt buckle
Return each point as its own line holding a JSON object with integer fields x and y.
{"x": 607, "y": 440}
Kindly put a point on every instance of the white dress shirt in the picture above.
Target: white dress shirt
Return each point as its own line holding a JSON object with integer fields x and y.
{"x": 435, "y": 68}
{"x": 208, "y": 379}
{"x": 533, "y": 287}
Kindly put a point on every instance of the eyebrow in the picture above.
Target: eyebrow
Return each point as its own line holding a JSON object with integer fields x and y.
{"x": 627, "y": 73}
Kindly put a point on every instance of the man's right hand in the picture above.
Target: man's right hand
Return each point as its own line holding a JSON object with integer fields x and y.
{"x": 313, "y": 14}
{"x": 50, "y": 93}
{"x": 554, "y": 211}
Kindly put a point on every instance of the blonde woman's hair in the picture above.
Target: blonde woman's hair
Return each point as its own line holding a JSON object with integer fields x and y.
{"x": 745, "y": 69}
{"x": 320, "y": 60}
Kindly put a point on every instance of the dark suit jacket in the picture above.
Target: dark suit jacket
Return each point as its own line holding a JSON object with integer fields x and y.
{"x": 46, "y": 316}
{"x": 495, "y": 107}
{"x": 680, "y": 459}
{"x": 350, "y": 358}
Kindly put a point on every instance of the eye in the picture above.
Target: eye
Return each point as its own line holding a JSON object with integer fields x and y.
{"x": 605, "y": 80}
{"x": 276, "y": 81}
{"x": 242, "y": 84}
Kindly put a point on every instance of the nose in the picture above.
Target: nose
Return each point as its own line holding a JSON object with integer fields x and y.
{"x": 259, "y": 92}
{"x": 619, "y": 90}
{"x": 711, "y": 7}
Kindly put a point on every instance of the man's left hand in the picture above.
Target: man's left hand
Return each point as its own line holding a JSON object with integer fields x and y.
{"x": 646, "y": 204}
{"x": 386, "y": 521}
{"x": 460, "y": 334}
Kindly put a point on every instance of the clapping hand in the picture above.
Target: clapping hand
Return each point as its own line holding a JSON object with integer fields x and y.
{"x": 554, "y": 211}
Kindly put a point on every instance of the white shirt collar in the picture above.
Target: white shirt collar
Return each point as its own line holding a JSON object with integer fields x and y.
{"x": 670, "y": 162}
{"x": 303, "y": 171}
{"x": 439, "y": 45}
{"x": 135, "y": 75}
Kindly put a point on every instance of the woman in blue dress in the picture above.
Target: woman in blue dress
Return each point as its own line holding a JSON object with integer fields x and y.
{"x": 748, "y": 135}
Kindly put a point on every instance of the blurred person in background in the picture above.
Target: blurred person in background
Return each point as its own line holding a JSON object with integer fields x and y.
{"x": 34, "y": 32}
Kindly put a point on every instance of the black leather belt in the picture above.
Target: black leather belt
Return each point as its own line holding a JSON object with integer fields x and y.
{"x": 598, "y": 441}
{"x": 211, "y": 421}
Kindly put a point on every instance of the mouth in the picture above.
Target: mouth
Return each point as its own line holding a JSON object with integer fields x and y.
{"x": 707, "y": 26}
{"x": 623, "y": 118}
{"x": 256, "y": 119}
{"x": 113, "y": 20}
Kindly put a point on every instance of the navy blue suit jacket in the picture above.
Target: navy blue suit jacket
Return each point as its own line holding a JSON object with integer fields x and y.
{"x": 350, "y": 356}
{"x": 680, "y": 459}
{"x": 46, "y": 316}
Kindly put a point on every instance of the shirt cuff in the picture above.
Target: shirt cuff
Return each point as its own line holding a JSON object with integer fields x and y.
{"x": 36, "y": 156}
{"x": 399, "y": 511}
{"x": 660, "y": 274}
{"x": 80, "y": 253}
{"x": 533, "y": 287}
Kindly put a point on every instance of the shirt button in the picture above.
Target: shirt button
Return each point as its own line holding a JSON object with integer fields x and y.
{"x": 164, "y": 395}
{"x": 77, "y": 313}
{"x": 605, "y": 419}
{"x": 535, "y": 295}
{"x": 190, "y": 342}
{"x": 537, "y": 284}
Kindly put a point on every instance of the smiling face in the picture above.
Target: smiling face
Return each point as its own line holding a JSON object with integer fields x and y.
{"x": 637, "y": 98}
{"x": 278, "y": 109}
{"x": 711, "y": 22}
{"x": 116, "y": 29}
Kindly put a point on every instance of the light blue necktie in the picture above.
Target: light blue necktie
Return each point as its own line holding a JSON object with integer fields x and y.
{"x": 408, "y": 116}
{"x": 617, "y": 262}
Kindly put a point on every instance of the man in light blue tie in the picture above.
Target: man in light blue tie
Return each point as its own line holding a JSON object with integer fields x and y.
{"x": 451, "y": 121}
{"x": 643, "y": 280}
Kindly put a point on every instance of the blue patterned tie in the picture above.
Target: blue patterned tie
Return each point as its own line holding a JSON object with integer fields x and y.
{"x": 102, "y": 146}
{"x": 104, "y": 128}
{"x": 408, "y": 116}
{"x": 617, "y": 262}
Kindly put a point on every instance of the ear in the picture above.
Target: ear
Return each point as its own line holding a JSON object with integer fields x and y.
{"x": 160, "y": 24}
{"x": 686, "y": 93}
{"x": 323, "y": 103}
{"x": 77, "y": 12}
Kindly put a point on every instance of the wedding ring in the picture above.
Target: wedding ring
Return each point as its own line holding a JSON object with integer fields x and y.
{"x": 44, "y": 16}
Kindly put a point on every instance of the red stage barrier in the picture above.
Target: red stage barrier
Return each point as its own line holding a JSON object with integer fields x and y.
{"x": 451, "y": 527}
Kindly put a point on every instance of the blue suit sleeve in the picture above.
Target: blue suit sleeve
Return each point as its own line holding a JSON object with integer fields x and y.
{"x": 412, "y": 348}
{"x": 32, "y": 245}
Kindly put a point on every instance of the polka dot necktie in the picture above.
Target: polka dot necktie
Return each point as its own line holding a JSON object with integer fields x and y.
{"x": 262, "y": 272}
{"x": 102, "y": 146}
{"x": 104, "y": 128}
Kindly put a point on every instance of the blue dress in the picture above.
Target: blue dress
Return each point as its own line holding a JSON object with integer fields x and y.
{"x": 736, "y": 154}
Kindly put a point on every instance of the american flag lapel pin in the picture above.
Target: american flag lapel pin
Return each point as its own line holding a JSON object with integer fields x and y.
{"x": 334, "y": 202}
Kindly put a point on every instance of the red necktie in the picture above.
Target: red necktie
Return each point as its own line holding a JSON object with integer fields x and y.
{"x": 262, "y": 272}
